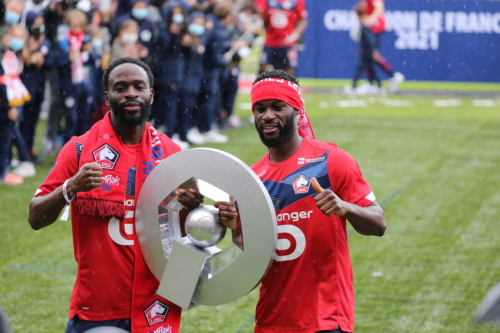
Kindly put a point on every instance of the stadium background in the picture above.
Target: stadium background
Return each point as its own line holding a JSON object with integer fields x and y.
{"x": 433, "y": 40}
{"x": 431, "y": 155}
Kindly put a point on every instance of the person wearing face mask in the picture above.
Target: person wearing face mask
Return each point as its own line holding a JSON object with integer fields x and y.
{"x": 74, "y": 54}
{"x": 13, "y": 12}
{"x": 193, "y": 74}
{"x": 15, "y": 96}
{"x": 241, "y": 35}
{"x": 38, "y": 58}
{"x": 100, "y": 44}
{"x": 126, "y": 43}
{"x": 173, "y": 41}
{"x": 215, "y": 63}
{"x": 139, "y": 13}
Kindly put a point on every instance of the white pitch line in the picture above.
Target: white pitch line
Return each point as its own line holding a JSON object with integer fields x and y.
{"x": 447, "y": 102}
{"x": 398, "y": 103}
{"x": 484, "y": 103}
{"x": 354, "y": 103}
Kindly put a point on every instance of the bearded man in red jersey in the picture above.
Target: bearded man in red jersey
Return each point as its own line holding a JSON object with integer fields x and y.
{"x": 315, "y": 188}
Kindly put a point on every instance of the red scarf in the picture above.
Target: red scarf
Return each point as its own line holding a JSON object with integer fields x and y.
{"x": 75, "y": 45}
{"x": 150, "y": 312}
{"x": 287, "y": 92}
{"x": 12, "y": 65}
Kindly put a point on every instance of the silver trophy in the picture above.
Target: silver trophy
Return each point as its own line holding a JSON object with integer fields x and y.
{"x": 192, "y": 270}
{"x": 203, "y": 226}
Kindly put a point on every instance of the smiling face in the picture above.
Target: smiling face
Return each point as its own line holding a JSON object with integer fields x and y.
{"x": 275, "y": 122}
{"x": 129, "y": 94}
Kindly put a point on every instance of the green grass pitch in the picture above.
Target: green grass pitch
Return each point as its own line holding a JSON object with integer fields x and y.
{"x": 432, "y": 162}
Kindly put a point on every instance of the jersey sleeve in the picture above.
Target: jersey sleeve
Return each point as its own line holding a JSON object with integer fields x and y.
{"x": 261, "y": 6}
{"x": 347, "y": 180}
{"x": 301, "y": 10}
{"x": 66, "y": 166}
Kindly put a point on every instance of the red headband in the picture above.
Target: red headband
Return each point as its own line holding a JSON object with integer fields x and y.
{"x": 287, "y": 92}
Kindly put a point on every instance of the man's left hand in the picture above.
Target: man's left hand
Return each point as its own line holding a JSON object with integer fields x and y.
{"x": 227, "y": 213}
{"x": 328, "y": 202}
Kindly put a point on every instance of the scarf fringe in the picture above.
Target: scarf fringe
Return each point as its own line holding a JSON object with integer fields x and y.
{"x": 97, "y": 207}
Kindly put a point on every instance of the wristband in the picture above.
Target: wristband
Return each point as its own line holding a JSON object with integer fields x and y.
{"x": 65, "y": 192}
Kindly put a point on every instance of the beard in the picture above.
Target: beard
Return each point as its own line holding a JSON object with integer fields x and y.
{"x": 117, "y": 109}
{"x": 286, "y": 133}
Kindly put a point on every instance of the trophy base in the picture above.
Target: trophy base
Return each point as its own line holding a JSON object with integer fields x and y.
{"x": 179, "y": 285}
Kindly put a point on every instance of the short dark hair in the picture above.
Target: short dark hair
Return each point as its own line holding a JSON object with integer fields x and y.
{"x": 276, "y": 74}
{"x": 126, "y": 60}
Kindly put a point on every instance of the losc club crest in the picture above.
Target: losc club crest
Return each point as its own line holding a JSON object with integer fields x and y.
{"x": 156, "y": 313}
{"x": 106, "y": 156}
{"x": 301, "y": 184}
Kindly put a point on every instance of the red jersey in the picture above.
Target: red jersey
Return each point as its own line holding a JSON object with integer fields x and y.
{"x": 379, "y": 25}
{"x": 281, "y": 17}
{"x": 309, "y": 286}
{"x": 103, "y": 248}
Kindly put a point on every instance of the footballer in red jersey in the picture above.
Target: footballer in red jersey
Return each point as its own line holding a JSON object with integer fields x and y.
{"x": 316, "y": 188}
{"x": 101, "y": 174}
{"x": 374, "y": 19}
{"x": 285, "y": 21}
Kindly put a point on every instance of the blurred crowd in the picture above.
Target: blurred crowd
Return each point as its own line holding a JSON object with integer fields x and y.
{"x": 54, "y": 52}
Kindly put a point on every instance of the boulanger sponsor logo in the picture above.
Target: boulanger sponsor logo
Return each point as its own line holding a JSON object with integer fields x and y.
{"x": 156, "y": 313}
{"x": 301, "y": 184}
{"x": 303, "y": 160}
{"x": 106, "y": 156}
{"x": 294, "y": 216}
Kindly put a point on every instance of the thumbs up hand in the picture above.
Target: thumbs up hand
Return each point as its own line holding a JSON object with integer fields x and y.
{"x": 328, "y": 202}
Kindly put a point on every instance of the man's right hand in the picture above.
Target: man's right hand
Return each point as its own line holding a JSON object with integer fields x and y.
{"x": 88, "y": 178}
{"x": 189, "y": 199}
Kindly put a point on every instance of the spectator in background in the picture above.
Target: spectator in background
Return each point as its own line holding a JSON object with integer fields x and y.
{"x": 74, "y": 54}
{"x": 15, "y": 97}
{"x": 13, "y": 12}
{"x": 139, "y": 13}
{"x": 172, "y": 44}
{"x": 55, "y": 30}
{"x": 374, "y": 20}
{"x": 38, "y": 58}
{"x": 208, "y": 101}
{"x": 100, "y": 45}
{"x": 126, "y": 44}
{"x": 285, "y": 21}
{"x": 193, "y": 74}
{"x": 246, "y": 27}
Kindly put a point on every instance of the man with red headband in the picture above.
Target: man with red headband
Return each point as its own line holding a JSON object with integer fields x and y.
{"x": 315, "y": 188}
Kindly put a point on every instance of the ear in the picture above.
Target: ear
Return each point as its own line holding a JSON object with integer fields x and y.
{"x": 296, "y": 112}
{"x": 106, "y": 98}
{"x": 152, "y": 95}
